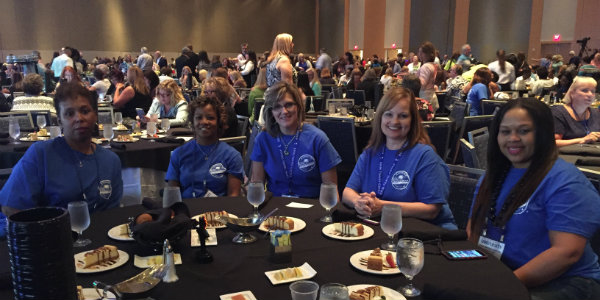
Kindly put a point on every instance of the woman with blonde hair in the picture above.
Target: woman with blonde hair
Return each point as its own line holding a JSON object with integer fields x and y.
{"x": 313, "y": 78}
{"x": 399, "y": 166}
{"x": 170, "y": 104}
{"x": 237, "y": 79}
{"x": 279, "y": 66}
{"x": 136, "y": 95}
{"x": 186, "y": 75}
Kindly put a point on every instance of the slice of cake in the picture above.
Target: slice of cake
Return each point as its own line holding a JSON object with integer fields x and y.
{"x": 279, "y": 222}
{"x": 375, "y": 260}
{"x": 211, "y": 218}
{"x": 368, "y": 293}
{"x": 100, "y": 255}
{"x": 124, "y": 230}
{"x": 80, "y": 293}
{"x": 349, "y": 229}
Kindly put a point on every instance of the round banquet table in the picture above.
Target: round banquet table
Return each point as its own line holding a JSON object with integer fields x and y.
{"x": 239, "y": 267}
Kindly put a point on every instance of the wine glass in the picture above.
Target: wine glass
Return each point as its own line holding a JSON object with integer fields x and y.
{"x": 328, "y": 197}
{"x": 165, "y": 124}
{"x": 410, "y": 257}
{"x": 256, "y": 196}
{"x": 80, "y": 221}
{"x": 171, "y": 195}
{"x": 391, "y": 223}
{"x": 108, "y": 133}
{"x": 119, "y": 118}
{"x": 41, "y": 121}
{"x": 14, "y": 130}
{"x": 151, "y": 130}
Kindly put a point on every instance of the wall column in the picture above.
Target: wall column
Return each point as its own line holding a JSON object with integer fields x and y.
{"x": 535, "y": 30}
{"x": 406, "y": 35}
{"x": 461, "y": 24}
{"x": 346, "y": 24}
{"x": 374, "y": 31}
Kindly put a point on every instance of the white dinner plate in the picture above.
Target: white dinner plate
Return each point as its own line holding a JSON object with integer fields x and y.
{"x": 121, "y": 260}
{"x": 115, "y": 233}
{"x": 299, "y": 224}
{"x": 389, "y": 294}
{"x": 217, "y": 226}
{"x": 120, "y": 129}
{"x": 355, "y": 261}
{"x": 153, "y": 260}
{"x": 307, "y": 273}
{"x": 329, "y": 231}
{"x": 133, "y": 140}
{"x": 91, "y": 294}
{"x": 247, "y": 294}
{"x": 27, "y": 139}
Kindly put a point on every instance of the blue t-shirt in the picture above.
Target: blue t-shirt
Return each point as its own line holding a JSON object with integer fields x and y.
{"x": 419, "y": 175}
{"x": 52, "y": 174}
{"x": 196, "y": 175}
{"x": 477, "y": 93}
{"x": 309, "y": 155}
{"x": 564, "y": 201}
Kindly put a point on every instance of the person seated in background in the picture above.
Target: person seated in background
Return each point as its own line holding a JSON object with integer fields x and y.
{"x": 399, "y": 166}
{"x": 248, "y": 68}
{"x": 69, "y": 75}
{"x": 414, "y": 66}
{"x": 303, "y": 85}
{"x": 538, "y": 86}
{"x": 33, "y": 100}
{"x": 170, "y": 104}
{"x": 165, "y": 73}
{"x": 534, "y": 211}
{"x": 455, "y": 83}
{"x": 16, "y": 79}
{"x": 115, "y": 77}
{"x": 368, "y": 83}
{"x": 524, "y": 80}
{"x": 102, "y": 83}
{"x": 344, "y": 79}
{"x": 187, "y": 80}
{"x": 152, "y": 81}
{"x": 479, "y": 89}
{"x": 386, "y": 80}
{"x": 219, "y": 88}
{"x": 204, "y": 166}
{"x": 464, "y": 60}
{"x": 315, "y": 84}
{"x": 293, "y": 157}
{"x": 135, "y": 95}
{"x": 355, "y": 78}
{"x": 237, "y": 81}
{"x": 257, "y": 91}
{"x": 413, "y": 84}
{"x": 69, "y": 168}
{"x": 326, "y": 77}
{"x": 303, "y": 64}
{"x": 575, "y": 122}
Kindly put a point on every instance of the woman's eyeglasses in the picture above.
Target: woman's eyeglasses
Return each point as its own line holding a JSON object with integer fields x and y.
{"x": 287, "y": 105}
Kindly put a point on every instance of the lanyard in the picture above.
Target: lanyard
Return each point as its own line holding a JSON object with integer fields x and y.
{"x": 381, "y": 184}
{"x": 583, "y": 120}
{"x": 487, "y": 223}
{"x": 206, "y": 156}
{"x": 80, "y": 165}
{"x": 289, "y": 174}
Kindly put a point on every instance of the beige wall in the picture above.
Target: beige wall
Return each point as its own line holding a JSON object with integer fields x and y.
{"x": 356, "y": 27}
{"x": 559, "y": 17}
{"x": 394, "y": 23}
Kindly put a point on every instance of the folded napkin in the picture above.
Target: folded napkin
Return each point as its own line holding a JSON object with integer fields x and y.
{"x": 170, "y": 140}
{"x": 120, "y": 146}
{"x": 4, "y": 135}
{"x": 444, "y": 234}
{"x": 588, "y": 161}
{"x": 180, "y": 131}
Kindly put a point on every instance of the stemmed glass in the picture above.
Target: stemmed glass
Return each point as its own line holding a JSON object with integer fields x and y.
{"x": 256, "y": 196}
{"x": 328, "y": 197}
{"x": 119, "y": 118}
{"x": 80, "y": 221}
{"x": 151, "y": 130}
{"x": 41, "y": 121}
{"x": 391, "y": 223}
{"x": 14, "y": 130}
{"x": 108, "y": 133}
{"x": 410, "y": 257}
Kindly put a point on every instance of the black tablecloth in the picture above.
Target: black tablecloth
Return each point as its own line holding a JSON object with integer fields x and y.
{"x": 241, "y": 267}
{"x": 582, "y": 155}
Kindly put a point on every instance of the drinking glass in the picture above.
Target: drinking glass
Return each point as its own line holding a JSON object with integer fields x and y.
{"x": 171, "y": 195}
{"x": 14, "y": 130}
{"x": 333, "y": 291}
{"x": 41, "y": 121}
{"x": 108, "y": 133}
{"x": 331, "y": 109}
{"x": 151, "y": 129}
{"x": 410, "y": 257}
{"x": 119, "y": 118}
{"x": 256, "y": 196}
{"x": 328, "y": 197}
{"x": 304, "y": 290}
{"x": 54, "y": 131}
{"x": 165, "y": 124}
{"x": 80, "y": 221}
{"x": 100, "y": 96}
{"x": 391, "y": 223}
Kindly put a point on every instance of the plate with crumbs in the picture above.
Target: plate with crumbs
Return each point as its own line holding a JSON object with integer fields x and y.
{"x": 330, "y": 231}
{"x": 359, "y": 261}
{"x": 117, "y": 233}
{"x": 388, "y": 293}
{"x": 106, "y": 266}
{"x": 214, "y": 224}
{"x": 299, "y": 224}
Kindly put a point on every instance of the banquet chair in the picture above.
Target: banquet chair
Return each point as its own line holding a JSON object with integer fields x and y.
{"x": 442, "y": 110}
{"x": 439, "y": 134}
{"x": 463, "y": 182}
{"x": 255, "y": 130}
{"x": 469, "y": 154}
{"x": 378, "y": 94}
{"x": 327, "y": 87}
{"x": 489, "y": 107}
{"x": 337, "y": 92}
{"x": 23, "y": 117}
{"x": 342, "y": 135}
{"x": 258, "y": 103}
{"x": 358, "y": 96}
{"x": 106, "y": 115}
{"x": 316, "y": 101}
{"x": 18, "y": 94}
{"x": 479, "y": 139}
{"x": 470, "y": 123}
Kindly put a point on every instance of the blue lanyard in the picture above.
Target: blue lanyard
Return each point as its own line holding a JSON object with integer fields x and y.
{"x": 380, "y": 184}
{"x": 289, "y": 174}
{"x": 206, "y": 156}
{"x": 584, "y": 121}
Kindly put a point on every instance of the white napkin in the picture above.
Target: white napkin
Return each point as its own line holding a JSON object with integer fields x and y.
{"x": 299, "y": 205}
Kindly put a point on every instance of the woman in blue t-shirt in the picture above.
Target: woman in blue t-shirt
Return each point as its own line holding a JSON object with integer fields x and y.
{"x": 295, "y": 158}
{"x": 399, "y": 166}
{"x": 535, "y": 211}
{"x": 205, "y": 167}
{"x": 479, "y": 90}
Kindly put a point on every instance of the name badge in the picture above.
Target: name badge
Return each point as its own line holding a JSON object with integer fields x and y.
{"x": 496, "y": 248}
{"x": 210, "y": 194}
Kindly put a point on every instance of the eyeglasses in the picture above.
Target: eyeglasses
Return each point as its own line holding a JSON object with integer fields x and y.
{"x": 287, "y": 105}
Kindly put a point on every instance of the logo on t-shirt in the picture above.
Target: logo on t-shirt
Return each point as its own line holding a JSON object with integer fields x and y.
{"x": 306, "y": 163}
{"x": 105, "y": 189}
{"x": 217, "y": 170}
{"x": 400, "y": 180}
{"x": 523, "y": 208}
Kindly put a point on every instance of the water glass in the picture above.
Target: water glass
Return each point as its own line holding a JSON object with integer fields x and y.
{"x": 100, "y": 96}
{"x": 304, "y": 290}
{"x": 256, "y": 196}
{"x": 14, "y": 130}
{"x": 391, "y": 223}
{"x": 41, "y": 121}
{"x": 333, "y": 291}
{"x": 119, "y": 118}
{"x": 80, "y": 221}
{"x": 165, "y": 124}
{"x": 54, "y": 131}
{"x": 108, "y": 133}
{"x": 410, "y": 258}
{"x": 171, "y": 195}
{"x": 343, "y": 111}
{"x": 331, "y": 109}
{"x": 328, "y": 197}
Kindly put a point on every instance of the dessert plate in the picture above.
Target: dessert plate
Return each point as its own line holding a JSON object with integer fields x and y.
{"x": 247, "y": 295}
{"x": 133, "y": 140}
{"x": 389, "y": 294}
{"x": 115, "y": 233}
{"x": 150, "y": 261}
{"x": 39, "y": 138}
{"x": 121, "y": 260}
{"x": 329, "y": 231}
{"x": 359, "y": 261}
{"x": 299, "y": 224}
{"x": 219, "y": 226}
{"x": 91, "y": 294}
{"x": 307, "y": 273}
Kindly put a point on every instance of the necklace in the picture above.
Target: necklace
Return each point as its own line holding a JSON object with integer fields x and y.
{"x": 289, "y": 174}
{"x": 286, "y": 146}
{"x": 207, "y": 155}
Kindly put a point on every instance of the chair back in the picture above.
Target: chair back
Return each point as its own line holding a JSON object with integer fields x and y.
{"x": 348, "y": 103}
{"x": 471, "y": 123}
{"x": 439, "y": 134}
{"x": 468, "y": 154}
{"x": 23, "y": 117}
{"x": 258, "y": 103}
{"x": 342, "y": 135}
{"x": 479, "y": 139}
{"x": 463, "y": 182}
{"x": 51, "y": 118}
{"x": 336, "y": 92}
{"x": 358, "y": 96}
{"x": 378, "y": 94}
{"x": 327, "y": 87}
{"x": 18, "y": 94}
{"x": 106, "y": 115}
{"x": 489, "y": 107}
{"x": 255, "y": 130}
{"x": 317, "y": 102}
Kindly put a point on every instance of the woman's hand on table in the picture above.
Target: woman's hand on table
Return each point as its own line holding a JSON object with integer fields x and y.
{"x": 590, "y": 138}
